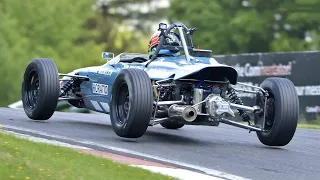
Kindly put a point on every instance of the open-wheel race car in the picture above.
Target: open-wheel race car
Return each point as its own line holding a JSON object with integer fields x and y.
{"x": 139, "y": 90}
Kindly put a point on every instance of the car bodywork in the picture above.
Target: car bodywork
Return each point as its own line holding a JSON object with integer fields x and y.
{"x": 96, "y": 91}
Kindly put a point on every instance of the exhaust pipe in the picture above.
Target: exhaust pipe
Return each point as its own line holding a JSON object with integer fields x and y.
{"x": 187, "y": 113}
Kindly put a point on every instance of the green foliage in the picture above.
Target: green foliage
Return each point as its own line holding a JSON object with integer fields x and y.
{"x": 71, "y": 33}
{"x": 244, "y": 26}
{"x": 41, "y": 29}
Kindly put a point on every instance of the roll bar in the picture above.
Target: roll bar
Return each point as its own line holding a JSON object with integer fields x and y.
{"x": 164, "y": 32}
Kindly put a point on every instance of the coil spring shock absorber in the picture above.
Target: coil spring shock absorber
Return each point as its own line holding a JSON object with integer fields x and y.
{"x": 235, "y": 99}
{"x": 66, "y": 87}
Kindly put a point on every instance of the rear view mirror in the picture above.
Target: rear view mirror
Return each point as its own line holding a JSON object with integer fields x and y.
{"x": 162, "y": 26}
{"x": 107, "y": 55}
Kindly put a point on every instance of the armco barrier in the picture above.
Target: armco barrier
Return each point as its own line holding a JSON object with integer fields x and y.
{"x": 302, "y": 68}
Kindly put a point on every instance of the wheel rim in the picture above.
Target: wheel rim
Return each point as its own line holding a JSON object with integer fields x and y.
{"x": 270, "y": 113}
{"x": 122, "y": 103}
{"x": 32, "y": 89}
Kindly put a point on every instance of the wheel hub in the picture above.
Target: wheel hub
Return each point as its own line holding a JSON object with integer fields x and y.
{"x": 123, "y": 103}
{"x": 270, "y": 113}
{"x": 32, "y": 89}
{"x": 126, "y": 105}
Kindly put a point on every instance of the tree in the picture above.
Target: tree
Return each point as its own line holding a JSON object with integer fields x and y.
{"x": 138, "y": 16}
{"x": 244, "y": 26}
{"x": 41, "y": 29}
{"x": 72, "y": 34}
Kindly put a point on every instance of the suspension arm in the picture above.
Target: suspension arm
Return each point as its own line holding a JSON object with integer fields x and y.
{"x": 244, "y": 126}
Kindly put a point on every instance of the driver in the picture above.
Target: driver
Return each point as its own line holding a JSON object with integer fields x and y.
{"x": 172, "y": 40}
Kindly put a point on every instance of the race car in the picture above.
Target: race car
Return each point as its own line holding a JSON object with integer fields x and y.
{"x": 138, "y": 91}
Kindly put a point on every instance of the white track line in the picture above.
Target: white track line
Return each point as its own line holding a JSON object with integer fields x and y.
{"x": 179, "y": 173}
{"x": 207, "y": 171}
{"x": 42, "y": 140}
{"x": 16, "y": 105}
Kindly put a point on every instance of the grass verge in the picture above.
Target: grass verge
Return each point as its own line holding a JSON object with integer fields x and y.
{"x": 23, "y": 159}
{"x": 309, "y": 126}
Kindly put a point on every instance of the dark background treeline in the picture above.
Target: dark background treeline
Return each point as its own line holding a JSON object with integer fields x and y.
{"x": 74, "y": 33}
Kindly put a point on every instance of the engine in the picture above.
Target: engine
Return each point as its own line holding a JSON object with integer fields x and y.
{"x": 188, "y": 101}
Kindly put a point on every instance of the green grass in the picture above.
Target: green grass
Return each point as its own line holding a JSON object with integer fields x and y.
{"x": 308, "y": 126}
{"x": 23, "y": 159}
{"x": 311, "y": 124}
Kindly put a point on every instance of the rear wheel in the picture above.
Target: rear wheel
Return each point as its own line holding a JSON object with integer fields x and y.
{"x": 40, "y": 89}
{"x": 131, "y": 103}
{"x": 282, "y": 112}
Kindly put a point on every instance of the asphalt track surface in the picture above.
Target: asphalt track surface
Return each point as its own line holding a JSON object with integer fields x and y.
{"x": 224, "y": 148}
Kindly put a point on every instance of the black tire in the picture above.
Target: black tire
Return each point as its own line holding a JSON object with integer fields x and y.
{"x": 40, "y": 89}
{"x": 171, "y": 125}
{"x": 131, "y": 103}
{"x": 282, "y": 112}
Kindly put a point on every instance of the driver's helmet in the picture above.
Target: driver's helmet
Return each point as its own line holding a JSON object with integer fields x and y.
{"x": 155, "y": 41}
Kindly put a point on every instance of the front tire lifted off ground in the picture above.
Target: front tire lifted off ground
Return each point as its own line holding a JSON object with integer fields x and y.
{"x": 131, "y": 103}
{"x": 282, "y": 112}
{"x": 40, "y": 89}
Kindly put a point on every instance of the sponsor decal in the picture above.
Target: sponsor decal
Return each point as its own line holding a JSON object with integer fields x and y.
{"x": 157, "y": 70}
{"x": 133, "y": 66}
{"x": 273, "y": 70}
{"x": 224, "y": 108}
{"x": 308, "y": 90}
{"x": 100, "y": 88}
{"x": 313, "y": 109}
{"x": 136, "y": 66}
{"x": 105, "y": 72}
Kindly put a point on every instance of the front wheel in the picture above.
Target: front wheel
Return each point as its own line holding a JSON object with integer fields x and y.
{"x": 40, "y": 89}
{"x": 282, "y": 112}
{"x": 131, "y": 103}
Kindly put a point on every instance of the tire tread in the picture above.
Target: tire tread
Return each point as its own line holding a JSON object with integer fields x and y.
{"x": 286, "y": 112}
{"x": 49, "y": 88}
{"x": 141, "y": 104}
